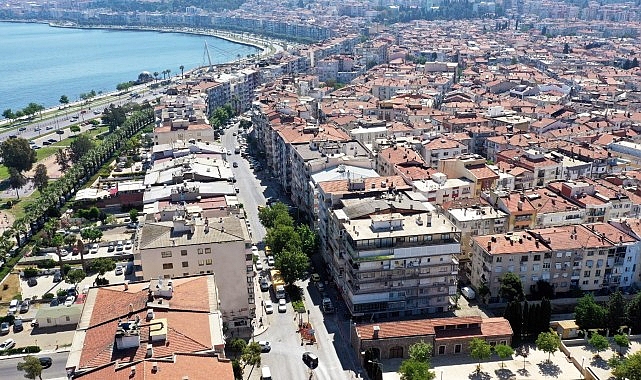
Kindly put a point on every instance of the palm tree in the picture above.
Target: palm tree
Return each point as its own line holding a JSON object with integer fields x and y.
{"x": 182, "y": 71}
{"x": 156, "y": 74}
{"x": 168, "y": 74}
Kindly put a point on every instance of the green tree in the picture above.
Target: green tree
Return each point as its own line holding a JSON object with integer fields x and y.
{"x": 133, "y": 215}
{"x": 599, "y": 342}
{"x": 503, "y": 351}
{"x": 238, "y": 369}
{"x": 62, "y": 159}
{"x": 633, "y": 313}
{"x": 588, "y": 314}
{"x": 237, "y": 346}
{"x": 8, "y": 114}
{"x": 182, "y": 71}
{"x": 75, "y": 276}
{"x": 616, "y": 311}
{"x": 91, "y": 234}
{"x": 269, "y": 215}
{"x": 417, "y": 366}
{"x": 63, "y": 100}
{"x": 79, "y": 147}
{"x": 292, "y": 264}
{"x": 17, "y": 154}
{"x": 548, "y": 342}
{"x": 31, "y": 367}
{"x": 514, "y": 315}
{"x": 282, "y": 237}
{"x": 16, "y": 180}
{"x": 40, "y": 177}
{"x": 511, "y": 287}
{"x": 628, "y": 368}
{"x": 622, "y": 341}
{"x": 308, "y": 239}
{"x": 480, "y": 350}
{"x": 566, "y": 49}
{"x": 103, "y": 265}
{"x": 251, "y": 354}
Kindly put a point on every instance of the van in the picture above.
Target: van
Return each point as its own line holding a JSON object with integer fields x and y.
{"x": 265, "y": 373}
{"x": 468, "y": 293}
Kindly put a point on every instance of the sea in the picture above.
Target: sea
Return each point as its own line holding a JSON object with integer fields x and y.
{"x": 40, "y": 63}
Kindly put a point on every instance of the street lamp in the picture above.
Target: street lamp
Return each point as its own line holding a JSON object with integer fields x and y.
{"x": 582, "y": 368}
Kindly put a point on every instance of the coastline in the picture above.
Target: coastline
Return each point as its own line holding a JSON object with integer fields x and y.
{"x": 266, "y": 47}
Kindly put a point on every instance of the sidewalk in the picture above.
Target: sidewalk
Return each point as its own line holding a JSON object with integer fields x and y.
{"x": 44, "y": 352}
{"x": 260, "y": 328}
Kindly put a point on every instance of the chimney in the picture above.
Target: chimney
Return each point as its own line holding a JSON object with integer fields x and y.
{"x": 376, "y": 330}
{"x": 133, "y": 370}
{"x": 150, "y": 350}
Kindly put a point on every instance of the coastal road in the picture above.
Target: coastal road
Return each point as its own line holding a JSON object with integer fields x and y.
{"x": 8, "y": 368}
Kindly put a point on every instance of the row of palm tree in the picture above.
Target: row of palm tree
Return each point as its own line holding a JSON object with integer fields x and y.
{"x": 57, "y": 193}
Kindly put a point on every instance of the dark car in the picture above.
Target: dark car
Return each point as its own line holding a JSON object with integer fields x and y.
{"x": 57, "y": 277}
{"x": 32, "y": 282}
{"x": 45, "y": 362}
{"x": 17, "y": 325}
{"x": 54, "y": 302}
{"x": 4, "y": 328}
{"x": 310, "y": 360}
{"x": 52, "y": 140}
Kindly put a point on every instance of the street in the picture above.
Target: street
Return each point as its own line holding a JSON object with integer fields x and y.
{"x": 57, "y": 370}
{"x": 336, "y": 358}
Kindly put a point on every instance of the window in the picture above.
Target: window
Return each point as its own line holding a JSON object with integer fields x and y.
{"x": 589, "y": 263}
{"x": 585, "y": 282}
{"x": 185, "y": 264}
{"x": 596, "y": 282}
{"x": 559, "y": 255}
{"x": 493, "y": 343}
{"x": 200, "y": 251}
{"x": 201, "y": 263}
{"x": 504, "y": 342}
{"x": 207, "y": 251}
{"x": 457, "y": 348}
{"x": 537, "y": 257}
{"x": 441, "y": 350}
{"x": 67, "y": 318}
{"x": 597, "y": 273}
{"x": 536, "y": 267}
{"x": 183, "y": 252}
{"x": 524, "y": 259}
{"x": 586, "y": 273}
{"x": 546, "y": 265}
{"x": 48, "y": 320}
{"x": 165, "y": 254}
{"x": 250, "y": 279}
{"x": 498, "y": 269}
{"x": 185, "y": 273}
{"x": 557, "y": 266}
{"x": 498, "y": 259}
{"x": 208, "y": 261}
{"x": 168, "y": 266}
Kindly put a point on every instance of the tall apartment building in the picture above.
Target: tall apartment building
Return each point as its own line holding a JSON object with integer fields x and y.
{"x": 397, "y": 261}
{"x": 188, "y": 246}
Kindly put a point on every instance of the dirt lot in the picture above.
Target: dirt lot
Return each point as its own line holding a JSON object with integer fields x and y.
{"x": 12, "y": 284}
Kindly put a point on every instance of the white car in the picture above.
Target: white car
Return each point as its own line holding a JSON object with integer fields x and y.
{"x": 70, "y": 300}
{"x": 119, "y": 270}
{"x": 282, "y": 305}
{"x": 63, "y": 252}
{"x": 254, "y": 250}
{"x": 128, "y": 245}
{"x": 7, "y": 344}
{"x": 270, "y": 261}
{"x": 94, "y": 248}
{"x": 269, "y": 307}
{"x": 259, "y": 265}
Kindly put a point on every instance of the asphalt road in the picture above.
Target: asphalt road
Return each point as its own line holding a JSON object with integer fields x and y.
{"x": 8, "y": 368}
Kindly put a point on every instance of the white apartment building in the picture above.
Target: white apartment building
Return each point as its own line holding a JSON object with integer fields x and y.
{"x": 187, "y": 246}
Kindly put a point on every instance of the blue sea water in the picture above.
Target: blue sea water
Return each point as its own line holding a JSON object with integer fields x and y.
{"x": 39, "y": 63}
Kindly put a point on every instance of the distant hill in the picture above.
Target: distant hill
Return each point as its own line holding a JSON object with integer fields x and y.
{"x": 165, "y": 6}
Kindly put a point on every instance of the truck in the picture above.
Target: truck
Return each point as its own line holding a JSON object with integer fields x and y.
{"x": 278, "y": 283}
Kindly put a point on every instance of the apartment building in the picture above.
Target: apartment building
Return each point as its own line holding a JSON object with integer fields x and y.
{"x": 394, "y": 262}
{"x": 440, "y": 189}
{"x": 475, "y": 221}
{"x": 587, "y": 257}
{"x": 474, "y": 168}
{"x": 188, "y": 245}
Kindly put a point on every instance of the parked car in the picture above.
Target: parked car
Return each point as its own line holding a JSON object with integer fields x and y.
{"x": 71, "y": 291}
{"x": 320, "y": 286}
{"x": 111, "y": 247}
{"x": 7, "y": 344}
{"x": 120, "y": 246}
{"x": 264, "y": 285}
{"x": 24, "y": 307}
{"x": 70, "y": 300}
{"x": 45, "y": 362}
{"x": 269, "y": 307}
{"x": 128, "y": 245}
{"x": 57, "y": 277}
{"x": 119, "y": 270}
{"x": 54, "y": 302}
{"x": 315, "y": 277}
{"x": 32, "y": 281}
{"x": 282, "y": 305}
{"x": 94, "y": 248}
{"x": 17, "y": 325}
{"x": 270, "y": 261}
{"x": 235, "y": 164}
{"x": 63, "y": 252}
{"x": 4, "y": 328}
{"x": 264, "y": 346}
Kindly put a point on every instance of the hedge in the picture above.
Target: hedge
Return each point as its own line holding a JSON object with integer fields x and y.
{"x": 22, "y": 350}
